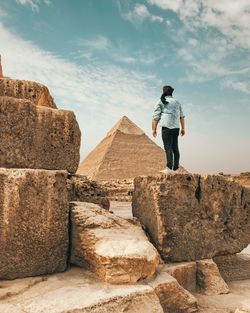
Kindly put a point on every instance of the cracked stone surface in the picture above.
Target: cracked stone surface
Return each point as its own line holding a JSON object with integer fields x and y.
{"x": 191, "y": 217}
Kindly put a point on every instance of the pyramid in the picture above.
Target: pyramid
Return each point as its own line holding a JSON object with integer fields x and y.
{"x": 1, "y": 69}
{"x": 125, "y": 152}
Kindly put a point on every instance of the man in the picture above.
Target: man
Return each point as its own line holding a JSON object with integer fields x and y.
{"x": 169, "y": 112}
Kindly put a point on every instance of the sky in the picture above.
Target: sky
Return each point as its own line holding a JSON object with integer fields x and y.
{"x": 104, "y": 59}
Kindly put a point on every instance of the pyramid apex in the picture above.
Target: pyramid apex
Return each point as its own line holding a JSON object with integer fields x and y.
{"x": 1, "y": 69}
{"x": 126, "y": 126}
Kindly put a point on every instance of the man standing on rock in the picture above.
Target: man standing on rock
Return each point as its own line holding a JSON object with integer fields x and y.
{"x": 169, "y": 112}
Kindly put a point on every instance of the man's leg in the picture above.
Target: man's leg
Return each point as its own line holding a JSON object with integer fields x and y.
{"x": 168, "y": 143}
{"x": 176, "y": 148}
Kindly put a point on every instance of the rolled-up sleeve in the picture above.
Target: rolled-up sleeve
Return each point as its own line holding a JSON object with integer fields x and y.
{"x": 157, "y": 112}
{"x": 181, "y": 112}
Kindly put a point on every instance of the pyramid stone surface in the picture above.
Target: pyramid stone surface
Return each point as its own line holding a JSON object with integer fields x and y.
{"x": 124, "y": 153}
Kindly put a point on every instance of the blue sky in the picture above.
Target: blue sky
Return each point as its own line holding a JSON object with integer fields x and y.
{"x": 107, "y": 58}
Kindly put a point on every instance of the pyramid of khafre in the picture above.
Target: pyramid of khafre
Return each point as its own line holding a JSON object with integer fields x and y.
{"x": 124, "y": 153}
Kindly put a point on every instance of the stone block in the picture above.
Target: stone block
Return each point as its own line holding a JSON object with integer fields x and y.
{"x": 191, "y": 217}
{"x": 28, "y": 90}
{"x": 38, "y": 137}
{"x": 117, "y": 250}
{"x": 33, "y": 222}
{"x": 184, "y": 273}
{"x": 84, "y": 190}
{"x": 209, "y": 279}
{"x": 233, "y": 267}
{"x": 173, "y": 297}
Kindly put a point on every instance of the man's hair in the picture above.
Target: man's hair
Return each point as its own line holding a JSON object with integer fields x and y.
{"x": 167, "y": 89}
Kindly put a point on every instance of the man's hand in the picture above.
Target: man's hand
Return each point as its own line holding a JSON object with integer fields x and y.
{"x": 154, "y": 132}
{"x": 182, "y": 132}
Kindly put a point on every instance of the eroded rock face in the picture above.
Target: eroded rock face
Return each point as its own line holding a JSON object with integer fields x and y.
{"x": 33, "y": 222}
{"x": 209, "y": 279}
{"x": 23, "y": 89}
{"x": 85, "y": 190}
{"x": 233, "y": 267}
{"x": 114, "y": 248}
{"x": 172, "y": 296}
{"x": 191, "y": 217}
{"x": 38, "y": 137}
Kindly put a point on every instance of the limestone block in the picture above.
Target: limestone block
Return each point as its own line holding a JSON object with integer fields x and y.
{"x": 23, "y": 89}
{"x": 77, "y": 291}
{"x": 191, "y": 217}
{"x": 33, "y": 222}
{"x": 233, "y": 267}
{"x": 209, "y": 279}
{"x": 38, "y": 137}
{"x": 184, "y": 273}
{"x": 84, "y": 190}
{"x": 115, "y": 248}
{"x": 173, "y": 297}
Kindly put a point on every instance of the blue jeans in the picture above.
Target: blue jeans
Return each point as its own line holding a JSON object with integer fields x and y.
{"x": 170, "y": 141}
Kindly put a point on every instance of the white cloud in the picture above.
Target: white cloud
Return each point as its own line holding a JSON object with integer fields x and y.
{"x": 141, "y": 13}
{"x": 96, "y": 91}
{"x": 99, "y": 43}
{"x": 230, "y": 17}
{"x": 34, "y": 4}
{"x": 242, "y": 86}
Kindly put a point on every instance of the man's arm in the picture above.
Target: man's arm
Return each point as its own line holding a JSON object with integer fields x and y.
{"x": 156, "y": 118}
{"x": 182, "y": 120}
{"x": 154, "y": 127}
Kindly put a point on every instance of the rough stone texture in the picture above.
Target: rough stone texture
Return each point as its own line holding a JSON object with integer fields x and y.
{"x": 28, "y": 90}
{"x": 184, "y": 273}
{"x": 192, "y": 217}
{"x": 124, "y": 153}
{"x": 233, "y": 267}
{"x": 38, "y": 137}
{"x": 33, "y": 222}
{"x": 173, "y": 297}
{"x": 209, "y": 279}
{"x": 85, "y": 190}
{"x": 116, "y": 249}
{"x": 77, "y": 291}
{"x": 119, "y": 190}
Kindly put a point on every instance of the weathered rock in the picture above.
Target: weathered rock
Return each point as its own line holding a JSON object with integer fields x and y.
{"x": 116, "y": 249}
{"x": 119, "y": 190}
{"x": 233, "y": 267}
{"x": 173, "y": 297}
{"x": 28, "y": 90}
{"x": 78, "y": 291}
{"x": 33, "y": 222}
{"x": 85, "y": 190}
{"x": 38, "y": 137}
{"x": 192, "y": 217}
{"x": 184, "y": 273}
{"x": 209, "y": 279}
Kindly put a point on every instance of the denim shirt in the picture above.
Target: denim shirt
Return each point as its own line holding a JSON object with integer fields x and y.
{"x": 168, "y": 114}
